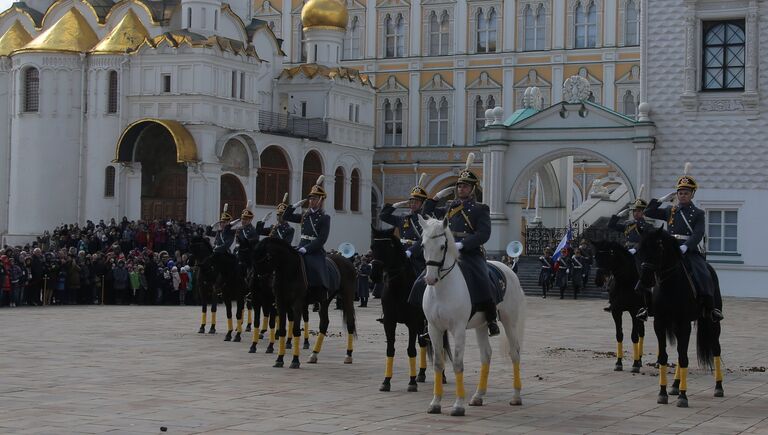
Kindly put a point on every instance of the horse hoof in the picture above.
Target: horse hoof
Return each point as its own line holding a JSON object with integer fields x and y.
{"x": 228, "y": 337}
{"x": 421, "y": 377}
{"x": 719, "y": 392}
{"x": 674, "y": 391}
{"x": 279, "y": 364}
{"x": 289, "y": 344}
{"x": 457, "y": 412}
{"x": 476, "y": 401}
{"x": 270, "y": 348}
{"x": 663, "y": 399}
{"x": 261, "y": 335}
{"x": 306, "y": 343}
{"x": 212, "y": 330}
{"x": 312, "y": 358}
{"x": 347, "y": 359}
{"x": 412, "y": 388}
{"x": 618, "y": 368}
{"x": 635, "y": 369}
{"x": 682, "y": 402}
{"x": 385, "y": 387}
{"x": 237, "y": 337}
{"x": 445, "y": 379}
{"x": 433, "y": 409}
{"x": 252, "y": 349}
{"x": 201, "y": 330}
{"x": 294, "y": 365}
{"x": 516, "y": 402}
{"x": 247, "y": 328}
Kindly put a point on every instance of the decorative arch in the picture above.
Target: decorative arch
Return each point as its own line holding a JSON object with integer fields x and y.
{"x": 36, "y": 21}
{"x": 235, "y": 158}
{"x": 186, "y": 148}
{"x": 312, "y": 168}
{"x": 51, "y": 11}
{"x": 246, "y": 140}
{"x": 274, "y": 176}
{"x": 119, "y": 6}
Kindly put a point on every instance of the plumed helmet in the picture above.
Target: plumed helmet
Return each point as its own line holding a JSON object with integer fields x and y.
{"x": 686, "y": 181}
{"x": 639, "y": 203}
{"x": 247, "y": 211}
{"x": 418, "y": 191}
{"x": 317, "y": 189}
{"x": 283, "y": 205}
{"x": 225, "y": 216}
{"x": 466, "y": 175}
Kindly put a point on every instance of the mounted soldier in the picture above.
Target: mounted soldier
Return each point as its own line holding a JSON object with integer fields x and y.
{"x": 248, "y": 235}
{"x": 282, "y": 229}
{"x": 408, "y": 225}
{"x": 687, "y": 224}
{"x": 470, "y": 223}
{"x": 223, "y": 259}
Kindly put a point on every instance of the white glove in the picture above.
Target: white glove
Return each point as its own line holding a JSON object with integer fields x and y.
{"x": 683, "y": 249}
{"x": 267, "y": 217}
{"x": 623, "y": 213}
{"x": 299, "y": 204}
{"x": 444, "y": 193}
{"x": 459, "y": 246}
{"x": 401, "y": 204}
{"x": 302, "y": 251}
{"x": 668, "y": 197}
{"x": 408, "y": 254}
{"x": 632, "y": 251}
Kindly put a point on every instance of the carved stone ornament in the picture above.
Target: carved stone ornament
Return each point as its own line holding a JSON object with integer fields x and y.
{"x": 576, "y": 89}
{"x": 532, "y": 99}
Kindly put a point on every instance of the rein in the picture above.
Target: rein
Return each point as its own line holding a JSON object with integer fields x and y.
{"x": 441, "y": 263}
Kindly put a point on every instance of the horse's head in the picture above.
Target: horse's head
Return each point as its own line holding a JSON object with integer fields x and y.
{"x": 657, "y": 250}
{"x": 385, "y": 245}
{"x": 610, "y": 255}
{"x": 271, "y": 253}
{"x": 439, "y": 247}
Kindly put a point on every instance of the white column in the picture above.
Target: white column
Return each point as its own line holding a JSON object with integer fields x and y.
{"x": 509, "y": 27}
{"x": 415, "y": 29}
{"x": 558, "y": 28}
{"x": 508, "y": 89}
{"x": 493, "y": 160}
{"x": 643, "y": 166}
{"x": 609, "y": 86}
{"x": 287, "y": 30}
{"x": 414, "y": 110}
{"x": 609, "y": 23}
{"x": 460, "y": 108}
{"x": 643, "y": 52}
{"x": 371, "y": 27}
{"x": 129, "y": 190}
{"x": 295, "y": 194}
{"x": 460, "y": 27}
{"x": 750, "y": 84}
{"x": 557, "y": 84}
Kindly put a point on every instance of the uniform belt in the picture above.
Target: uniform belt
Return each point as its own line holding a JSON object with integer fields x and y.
{"x": 306, "y": 237}
{"x": 459, "y": 234}
{"x": 681, "y": 237}
{"x": 407, "y": 241}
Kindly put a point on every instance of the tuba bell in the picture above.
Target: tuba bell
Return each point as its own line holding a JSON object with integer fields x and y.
{"x": 514, "y": 249}
{"x": 347, "y": 250}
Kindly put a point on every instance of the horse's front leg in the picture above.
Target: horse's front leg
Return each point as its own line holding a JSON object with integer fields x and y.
{"x": 683, "y": 338}
{"x": 661, "y": 336}
{"x": 423, "y": 350}
{"x": 281, "y": 318}
{"x": 719, "y": 392}
{"x": 616, "y": 314}
{"x": 214, "y": 306}
{"x": 324, "y": 322}
{"x": 228, "y": 305}
{"x": 389, "y": 330}
{"x": 637, "y": 354}
{"x": 485, "y": 360}
{"x": 239, "y": 315}
{"x": 295, "y": 330}
{"x": 204, "y": 319}
{"x": 436, "y": 336}
{"x": 305, "y": 316}
{"x": 256, "y": 332}
{"x": 459, "y": 335}
{"x": 413, "y": 334}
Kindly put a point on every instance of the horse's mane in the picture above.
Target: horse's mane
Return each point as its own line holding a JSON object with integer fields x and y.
{"x": 390, "y": 234}
{"x": 668, "y": 242}
{"x": 277, "y": 243}
{"x": 614, "y": 246}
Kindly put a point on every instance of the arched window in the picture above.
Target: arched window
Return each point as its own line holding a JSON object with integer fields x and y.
{"x": 586, "y": 25}
{"x": 629, "y": 105}
{"x": 273, "y": 177}
{"x": 723, "y": 57}
{"x": 480, "y": 109}
{"x": 109, "y": 181}
{"x": 355, "y": 190}
{"x": 338, "y": 189}
{"x": 313, "y": 168}
{"x": 632, "y": 23}
{"x": 437, "y": 113}
{"x": 438, "y": 33}
{"x": 302, "y": 44}
{"x": 393, "y": 123}
{"x": 394, "y": 35}
{"x": 112, "y": 93}
{"x": 31, "y": 90}
{"x": 486, "y": 31}
{"x": 534, "y": 28}
{"x": 352, "y": 41}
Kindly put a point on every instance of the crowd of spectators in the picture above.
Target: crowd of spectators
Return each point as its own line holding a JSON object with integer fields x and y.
{"x": 126, "y": 262}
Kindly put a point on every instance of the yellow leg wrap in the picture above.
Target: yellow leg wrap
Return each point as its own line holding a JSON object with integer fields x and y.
{"x": 281, "y": 346}
{"x": 296, "y": 348}
{"x": 518, "y": 382}
{"x": 255, "y": 335}
{"x": 640, "y": 346}
{"x": 229, "y": 324}
{"x": 264, "y": 323}
{"x": 205, "y": 318}
{"x": 620, "y": 350}
{"x": 684, "y": 379}
{"x": 412, "y": 366}
{"x": 271, "y": 335}
{"x": 306, "y": 329}
{"x": 438, "y": 387}
{"x": 677, "y": 372}
{"x": 319, "y": 343}
{"x": 460, "y": 385}
{"x": 718, "y": 370}
{"x": 277, "y": 322}
{"x": 289, "y": 329}
{"x": 213, "y": 318}
{"x": 663, "y": 375}
{"x": 388, "y": 367}
{"x": 423, "y": 357}
{"x": 350, "y": 342}
{"x": 635, "y": 351}
{"x": 239, "y": 325}
{"x": 250, "y": 316}
{"x": 484, "y": 371}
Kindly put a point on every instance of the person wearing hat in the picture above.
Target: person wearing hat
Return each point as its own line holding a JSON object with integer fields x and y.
{"x": 408, "y": 225}
{"x": 315, "y": 228}
{"x": 470, "y": 223}
{"x": 225, "y": 261}
{"x": 282, "y": 229}
{"x": 248, "y": 235}
{"x": 687, "y": 224}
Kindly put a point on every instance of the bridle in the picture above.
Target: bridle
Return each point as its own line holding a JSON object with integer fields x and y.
{"x": 395, "y": 271}
{"x": 441, "y": 263}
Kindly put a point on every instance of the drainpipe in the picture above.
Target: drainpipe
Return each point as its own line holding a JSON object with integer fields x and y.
{"x": 11, "y": 114}
{"x": 82, "y": 153}
{"x": 383, "y": 182}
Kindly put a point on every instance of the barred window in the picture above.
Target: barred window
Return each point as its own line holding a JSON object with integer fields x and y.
{"x": 534, "y": 28}
{"x": 338, "y": 189}
{"x": 393, "y": 123}
{"x": 480, "y": 109}
{"x": 722, "y": 230}
{"x": 486, "y": 31}
{"x": 394, "y": 36}
{"x": 438, "y": 33}
{"x": 724, "y": 46}
{"x": 31, "y": 90}
{"x": 437, "y": 118}
{"x": 355, "y": 190}
{"x": 109, "y": 182}
{"x": 632, "y": 23}
{"x": 112, "y": 93}
{"x": 352, "y": 40}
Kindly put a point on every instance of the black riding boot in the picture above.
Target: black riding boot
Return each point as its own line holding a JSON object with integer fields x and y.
{"x": 490, "y": 317}
{"x": 709, "y": 309}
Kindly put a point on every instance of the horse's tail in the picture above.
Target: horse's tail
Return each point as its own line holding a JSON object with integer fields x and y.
{"x": 707, "y": 334}
{"x": 347, "y": 291}
{"x": 447, "y": 347}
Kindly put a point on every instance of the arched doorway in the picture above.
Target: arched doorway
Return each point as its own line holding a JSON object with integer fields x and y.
{"x": 232, "y": 192}
{"x": 273, "y": 176}
{"x": 162, "y": 147}
{"x": 312, "y": 169}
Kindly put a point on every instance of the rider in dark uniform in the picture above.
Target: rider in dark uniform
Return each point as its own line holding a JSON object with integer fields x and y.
{"x": 470, "y": 223}
{"x": 282, "y": 229}
{"x": 686, "y": 223}
{"x": 408, "y": 225}
{"x": 223, "y": 259}
{"x": 247, "y": 236}
{"x": 315, "y": 227}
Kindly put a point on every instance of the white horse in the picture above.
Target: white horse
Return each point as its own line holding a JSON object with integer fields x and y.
{"x": 447, "y": 307}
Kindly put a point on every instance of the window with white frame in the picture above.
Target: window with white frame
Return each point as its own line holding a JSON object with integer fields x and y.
{"x": 486, "y": 30}
{"x": 439, "y": 27}
{"x": 302, "y": 44}
{"x": 534, "y": 27}
{"x": 393, "y": 122}
{"x": 31, "y": 90}
{"x": 585, "y": 25}
{"x": 480, "y": 109}
{"x": 632, "y": 23}
{"x": 437, "y": 121}
{"x": 723, "y": 55}
{"x": 112, "y": 92}
{"x": 629, "y": 104}
{"x": 352, "y": 39}
{"x": 394, "y": 36}
{"x": 722, "y": 230}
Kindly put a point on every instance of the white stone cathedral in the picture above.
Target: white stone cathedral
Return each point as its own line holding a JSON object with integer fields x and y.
{"x": 159, "y": 109}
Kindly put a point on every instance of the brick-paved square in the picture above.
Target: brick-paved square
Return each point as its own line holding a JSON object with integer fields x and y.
{"x": 137, "y": 369}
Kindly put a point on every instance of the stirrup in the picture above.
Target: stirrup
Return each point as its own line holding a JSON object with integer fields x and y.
{"x": 607, "y": 309}
{"x": 424, "y": 339}
{"x": 717, "y": 315}
{"x": 642, "y": 315}
{"x": 493, "y": 329}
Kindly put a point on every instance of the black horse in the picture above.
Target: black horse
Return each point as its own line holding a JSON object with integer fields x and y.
{"x": 204, "y": 280}
{"x": 619, "y": 276}
{"x": 395, "y": 270}
{"x": 675, "y": 306}
{"x": 281, "y": 264}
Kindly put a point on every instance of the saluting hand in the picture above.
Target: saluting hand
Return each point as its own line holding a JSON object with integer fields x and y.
{"x": 302, "y": 251}
{"x": 623, "y": 213}
{"x": 668, "y": 197}
{"x": 401, "y": 204}
{"x": 444, "y": 193}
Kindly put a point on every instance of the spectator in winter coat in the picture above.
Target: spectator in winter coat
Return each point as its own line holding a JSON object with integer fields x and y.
{"x": 120, "y": 283}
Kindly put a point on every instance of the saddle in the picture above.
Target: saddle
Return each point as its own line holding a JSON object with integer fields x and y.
{"x": 334, "y": 275}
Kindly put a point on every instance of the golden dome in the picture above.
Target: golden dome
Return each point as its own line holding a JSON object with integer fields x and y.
{"x": 324, "y": 14}
{"x": 71, "y": 33}
{"x": 126, "y": 36}
{"x": 13, "y": 39}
